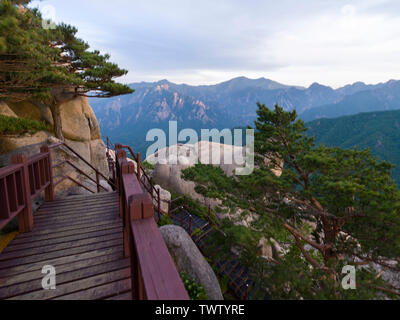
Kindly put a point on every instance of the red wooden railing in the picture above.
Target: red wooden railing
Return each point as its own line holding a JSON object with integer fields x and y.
{"x": 143, "y": 241}
{"x": 144, "y": 179}
{"x": 25, "y": 179}
{"x": 20, "y": 183}
{"x": 67, "y": 177}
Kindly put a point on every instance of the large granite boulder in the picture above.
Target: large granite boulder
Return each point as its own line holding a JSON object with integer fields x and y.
{"x": 79, "y": 121}
{"x": 81, "y": 132}
{"x": 169, "y": 163}
{"x": 6, "y": 111}
{"x": 188, "y": 258}
{"x": 165, "y": 198}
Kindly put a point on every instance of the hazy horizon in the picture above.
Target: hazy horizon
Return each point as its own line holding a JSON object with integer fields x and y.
{"x": 227, "y": 80}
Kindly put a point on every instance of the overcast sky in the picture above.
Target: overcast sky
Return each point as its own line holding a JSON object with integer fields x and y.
{"x": 333, "y": 42}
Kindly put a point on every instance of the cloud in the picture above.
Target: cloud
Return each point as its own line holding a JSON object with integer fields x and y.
{"x": 296, "y": 42}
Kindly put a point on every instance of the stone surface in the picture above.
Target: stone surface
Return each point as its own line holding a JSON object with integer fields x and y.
{"x": 11, "y": 143}
{"x": 188, "y": 258}
{"x": 78, "y": 122}
{"x": 97, "y": 155}
{"x": 26, "y": 109}
{"x": 6, "y": 110}
{"x": 169, "y": 163}
{"x": 165, "y": 197}
{"x": 81, "y": 131}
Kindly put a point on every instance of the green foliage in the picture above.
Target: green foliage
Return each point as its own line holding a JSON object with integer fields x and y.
{"x": 194, "y": 290}
{"x": 223, "y": 283}
{"x": 50, "y": 65}
{"x": 147, "y": 165}
{"x": 378, "y": 131}
{"x": 37, "y": 61}
{"x": 11, "y": 125}
{"x": 339, "y": 190}
{"x": 211, "y": 181}
{"x": 346, "y": 194}
{"x": 165, "y": 220}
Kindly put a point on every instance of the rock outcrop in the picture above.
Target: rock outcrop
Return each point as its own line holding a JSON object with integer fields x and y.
{"x": 81, "y": 131}
{"x": 170, "y": 162}
{"x": 189, "y": 259}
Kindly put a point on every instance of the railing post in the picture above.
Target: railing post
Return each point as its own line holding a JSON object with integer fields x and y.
{"x": 98, "y": 182}
{"x": 138, "y": 165}
{"x": 119, "y": 155}
{"x": 49, "y": 191}
{"x": 159, "y": 204}
{"x": 190, "y": 225}
{"x": 209, "y": 214}
{"x": 126, "y": 168}
{"x": 139, "y": 207}
{"x": 152, "y": 187}
{"x": 182, "y": 216}
{"x": 25, "y": 217}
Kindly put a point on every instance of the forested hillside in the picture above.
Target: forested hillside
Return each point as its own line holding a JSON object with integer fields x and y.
{"x": 379, "y": 131}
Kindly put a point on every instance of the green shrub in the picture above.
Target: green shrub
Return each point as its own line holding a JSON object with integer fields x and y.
{"x": 148, "y": 165}
{"x": 223, "y": 283}
{"x": 212, "y": 182}
{"x": 11, "y": 125}
{"x": 165, "y": 220}
{"x": 194, "y": 290}
{"x": 197, "y": 232}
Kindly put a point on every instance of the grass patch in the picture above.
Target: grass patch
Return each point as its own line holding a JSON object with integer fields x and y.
{"x": 11, "y": 125}
{"x": 148, "y": 165}
{"x": 194, "y": 290}
{"x": 212, "y": 182}
{"x": 165, "y": 221}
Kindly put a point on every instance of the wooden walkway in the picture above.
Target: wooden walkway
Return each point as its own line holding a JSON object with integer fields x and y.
{"x": 82, "y": 238}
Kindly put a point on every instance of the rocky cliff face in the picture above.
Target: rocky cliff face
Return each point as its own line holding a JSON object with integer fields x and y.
{"x": 81, "y": 132}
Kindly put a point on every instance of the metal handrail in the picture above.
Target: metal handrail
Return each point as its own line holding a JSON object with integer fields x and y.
{"x": 148, "y": 184}
{"x": 98, "y": 173}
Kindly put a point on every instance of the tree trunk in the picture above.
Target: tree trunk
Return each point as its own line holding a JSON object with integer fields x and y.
{"x": 55, "y": 112}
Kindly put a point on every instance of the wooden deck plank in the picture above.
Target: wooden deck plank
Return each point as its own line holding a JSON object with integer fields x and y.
{"x": 122, "y": 296}
{"x": 71, "y": 216}
{"x": 4, "y": 273}
{"x": 82, "y": 238}
{"x": 86, "y": 269}
{"x": 56, "y": 247}
{"x": 68, "y": 230}
{"x": 75, "y": 209}
{"x": 100, "y": 292}
{"x": 76, "y": 286}
{"x": 79, "y": 221}
{"x": 84, "y": 198}
{"x": 57, "y": 254}
{"x": 87, "y": 199}
{"x": 15, "y": 247}
{"x": 61, "y": 268}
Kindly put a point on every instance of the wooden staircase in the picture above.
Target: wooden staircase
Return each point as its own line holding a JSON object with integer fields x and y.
{"x": 101, "y": 246}
{"x": 81, "y": 237}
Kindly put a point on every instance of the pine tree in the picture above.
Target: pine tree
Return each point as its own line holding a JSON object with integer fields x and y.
{"x": 329, "y": 208}
{"x": 340, "y": 206}
{"x": 50, "y": 65}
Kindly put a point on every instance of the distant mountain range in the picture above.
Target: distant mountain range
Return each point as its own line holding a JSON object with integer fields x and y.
{"x": 230, "y": 104}
{"x": 379, "y": 131}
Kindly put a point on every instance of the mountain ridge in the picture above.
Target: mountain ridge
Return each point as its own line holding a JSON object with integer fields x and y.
{"x": 228, "y": 104}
